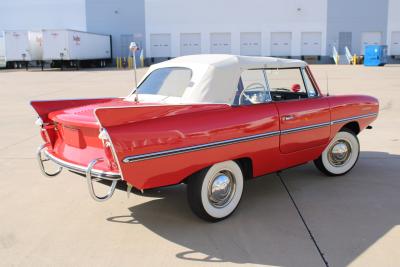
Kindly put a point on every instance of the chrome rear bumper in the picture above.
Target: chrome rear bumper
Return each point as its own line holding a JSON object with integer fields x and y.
{"x": 72, "y": 167}
{"x": 91, "y": 174}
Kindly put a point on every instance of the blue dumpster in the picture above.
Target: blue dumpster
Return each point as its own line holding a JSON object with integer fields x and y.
{"x": 375, "y": 55}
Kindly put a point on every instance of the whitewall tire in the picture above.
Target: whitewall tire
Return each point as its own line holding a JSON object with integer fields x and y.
{"x": 215, "y": 192}
{"x": 341, "y": 155}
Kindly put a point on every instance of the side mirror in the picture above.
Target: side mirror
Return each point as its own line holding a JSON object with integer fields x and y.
{"x": 296, "y": 88}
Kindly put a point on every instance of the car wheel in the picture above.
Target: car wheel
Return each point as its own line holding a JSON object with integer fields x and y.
{"x": 215, "y": 192}
{"x": 340, "y": 156}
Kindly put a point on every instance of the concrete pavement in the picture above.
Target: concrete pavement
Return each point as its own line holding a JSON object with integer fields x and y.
{"x": 354, "y": 219}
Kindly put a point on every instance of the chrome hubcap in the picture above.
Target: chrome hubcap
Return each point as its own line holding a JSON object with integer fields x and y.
{"x": 221, "y": 189}
{"x": 339, "y": 153}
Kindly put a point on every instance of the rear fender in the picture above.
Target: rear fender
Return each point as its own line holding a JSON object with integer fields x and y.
{"x": 129, "y": 128}
{"x": 114, "y": 116}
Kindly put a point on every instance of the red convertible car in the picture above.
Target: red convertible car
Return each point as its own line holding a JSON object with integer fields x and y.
{"x": 210, "y": 121}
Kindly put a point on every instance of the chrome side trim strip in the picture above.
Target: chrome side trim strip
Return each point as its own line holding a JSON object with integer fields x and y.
{"x": 305, "y": 128}
{"x": 354, "y": 118}
{"x": 177, "y": 151}
{"x": 82, "y": 169}
{"x": 164, "y": 153}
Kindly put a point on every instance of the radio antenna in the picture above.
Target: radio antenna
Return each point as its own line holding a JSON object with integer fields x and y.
{"x": 327, "y": 83}
{"x": 133, "y": 47}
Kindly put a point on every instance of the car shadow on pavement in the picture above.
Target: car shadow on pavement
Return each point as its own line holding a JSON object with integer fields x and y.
{"x": 263, "y": 230}
{"x": 352, "y": 217}
{"x": 345, "y": 214}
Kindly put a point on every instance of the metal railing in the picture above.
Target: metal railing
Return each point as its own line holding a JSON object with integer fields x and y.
{"x": 348, "y": 55}
{"x": 335, "y": 55}
{"x": 349, "y": 58}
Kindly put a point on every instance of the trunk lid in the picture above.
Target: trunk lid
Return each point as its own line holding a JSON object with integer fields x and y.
{"x": 83, "y": 116}
{"x": 75, "y": 133}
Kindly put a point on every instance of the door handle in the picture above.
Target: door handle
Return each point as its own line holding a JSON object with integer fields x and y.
{"x": 288, "y": 117}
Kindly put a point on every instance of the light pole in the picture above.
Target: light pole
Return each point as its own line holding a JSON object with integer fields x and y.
{"x": 133, "y": 47}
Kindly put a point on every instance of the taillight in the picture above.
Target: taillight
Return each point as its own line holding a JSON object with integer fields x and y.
{"x": 108, "y": 148}
{"x": 39, "y": 122}
{"x": 47, "y": 131}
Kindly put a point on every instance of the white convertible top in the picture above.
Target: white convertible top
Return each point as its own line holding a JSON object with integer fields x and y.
{"x": 215, "y": 77}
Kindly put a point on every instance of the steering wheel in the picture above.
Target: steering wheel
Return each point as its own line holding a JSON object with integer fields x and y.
{"x": 252, "y": 86}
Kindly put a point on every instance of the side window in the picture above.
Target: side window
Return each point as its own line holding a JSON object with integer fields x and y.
{"x": 252, "y": 88}
{"x": 309, "y": 85}
{"x": 286, "y": 84}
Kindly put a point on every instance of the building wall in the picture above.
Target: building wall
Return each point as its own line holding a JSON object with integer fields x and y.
{"x": 357, "y": 17}
{"x": 123, "y": 19}
{"x": 40, "y": 14}
{"x": 208, "y": 17}
{"x": 178, "y": 27}
{"x": 393, "y": 26}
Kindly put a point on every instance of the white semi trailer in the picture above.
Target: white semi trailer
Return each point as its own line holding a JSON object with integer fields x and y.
{"x": 14, "y": 49}
{"x": 36, "y": 45}
{"x": 69, "y": 48}
{"x": 3, "y": 61}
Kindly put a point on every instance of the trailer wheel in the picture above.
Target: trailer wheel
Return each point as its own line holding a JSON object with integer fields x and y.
{"x": 215, "y": 192}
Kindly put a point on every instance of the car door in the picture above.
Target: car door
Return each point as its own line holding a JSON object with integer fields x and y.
{"x": 304, "y": 116}
{"x": 253, "y": 103}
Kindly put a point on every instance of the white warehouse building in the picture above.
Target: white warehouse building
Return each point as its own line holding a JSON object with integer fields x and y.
{"x": 165, "y": 29}
{"x": 252, "y": 27}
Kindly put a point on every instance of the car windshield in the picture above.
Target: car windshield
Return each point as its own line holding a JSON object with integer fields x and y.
{"x": 166, "y": 82}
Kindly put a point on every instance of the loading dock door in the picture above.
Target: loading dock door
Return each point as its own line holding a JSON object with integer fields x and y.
{"x": 370, "y": 38}
{"x": 220, "y": 43}
{"x": 281, "y": 44}
{"x": 395, "y": 45}
{"x": 160, "y": 45}
{"x": 190, "y": 43}
{"x": 311, "y": 43}
{"x": 250, "y": 43}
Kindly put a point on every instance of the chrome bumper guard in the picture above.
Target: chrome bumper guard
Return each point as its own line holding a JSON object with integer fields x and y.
{"x": 91, "y": 174}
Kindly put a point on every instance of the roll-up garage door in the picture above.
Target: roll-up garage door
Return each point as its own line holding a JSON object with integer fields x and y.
{"x": 370, "y": 38}
{"x": 281, "y": 44}
{"x": 190, "y": 43}
{"x": 395, "y": 44}
{"x": 250, "y": 43}
{"x": 160, "y": 45}
{"x": 220, "y": 43}
{"x": 311, "y": 43}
